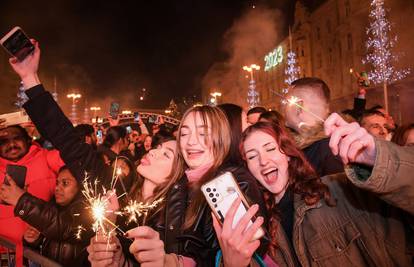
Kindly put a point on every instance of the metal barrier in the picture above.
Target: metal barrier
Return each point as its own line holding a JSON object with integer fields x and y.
{"x": 29, "y": 254}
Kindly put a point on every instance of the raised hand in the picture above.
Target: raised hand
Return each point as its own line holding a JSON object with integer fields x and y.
{"x": 236, "y": 244}
{"x": 350, "y": 141}
{"x": 10, "y": 193}
{"x": 147, "y": 247}
{"x": 27, "y": 69}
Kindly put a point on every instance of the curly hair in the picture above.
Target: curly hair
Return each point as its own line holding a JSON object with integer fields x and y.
{"x": 302, "y": 177}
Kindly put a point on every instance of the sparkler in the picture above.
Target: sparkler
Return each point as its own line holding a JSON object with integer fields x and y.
{"x": 99, "y": 205}
{"x": 293, "y": 100}
{"x": 136, "y": 209}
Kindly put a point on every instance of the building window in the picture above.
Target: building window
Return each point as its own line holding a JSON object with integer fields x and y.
{"x": 318, "y": 33}
{"x": 347, "y": 8}
{"x": 303, "y": 53}
{"x": 349, "y": 39}
{"x": 328, "y": 26}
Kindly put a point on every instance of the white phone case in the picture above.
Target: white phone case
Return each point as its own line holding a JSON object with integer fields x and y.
{"x": 220, "y": 194}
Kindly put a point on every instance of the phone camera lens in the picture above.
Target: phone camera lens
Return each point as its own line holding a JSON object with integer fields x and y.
{"x": 208, "y": 189}
{"x": 214, "y": 190}
{"x": 211, "y": 195}
{"x": 217, "y": 194}
{"x": 214, "y": 200}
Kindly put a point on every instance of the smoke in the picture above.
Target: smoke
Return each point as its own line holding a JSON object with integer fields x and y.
{"x": 250, "y": 37}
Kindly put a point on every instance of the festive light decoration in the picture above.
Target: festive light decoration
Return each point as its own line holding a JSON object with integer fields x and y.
{"x": 379, "y": 46}
{"x": 21, "y": 96}
{"x": 252, "y": 95}
{"x": 292, "y": 71}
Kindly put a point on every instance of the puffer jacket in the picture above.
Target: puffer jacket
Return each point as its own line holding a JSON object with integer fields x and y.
{"x": 200, "y": 241}
{"x": 372, "y": 223}
{"x": 42, "y": 168}
{"x": 59, "y": 227}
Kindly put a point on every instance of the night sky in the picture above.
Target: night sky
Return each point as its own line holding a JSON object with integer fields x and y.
{"x": 113, "y": 49}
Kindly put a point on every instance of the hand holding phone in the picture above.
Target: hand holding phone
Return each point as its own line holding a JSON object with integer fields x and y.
{"x": 114, "y": 110}
{"x": 220, "y": 193}
{"x": 17, "y": 44}
{"x": 10, "y": 192}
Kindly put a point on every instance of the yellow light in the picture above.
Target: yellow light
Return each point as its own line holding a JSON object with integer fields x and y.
{"x": 126, "y": 112}
{"x": 293, "y": 100}
{"x": 74, "y": 96}
{"x": 95, "y": 108}
{"x": 167, "y": 111}
{"x": 351, "y": 70}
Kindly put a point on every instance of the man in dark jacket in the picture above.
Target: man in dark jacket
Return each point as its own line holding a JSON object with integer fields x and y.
{"x": 313, "y": 94}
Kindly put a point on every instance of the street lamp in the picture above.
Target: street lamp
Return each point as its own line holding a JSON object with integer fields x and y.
{"x": 95, "y": 109}
{"x": 213, "y": 99}
{"x": 126, "y": 112}
{"x": 74, "y": 116}
{"x": 252, "y": 94}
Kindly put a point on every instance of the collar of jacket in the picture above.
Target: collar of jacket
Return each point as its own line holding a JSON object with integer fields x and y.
{"x": 308, "y": 135}
{"x": 34, "y": 149}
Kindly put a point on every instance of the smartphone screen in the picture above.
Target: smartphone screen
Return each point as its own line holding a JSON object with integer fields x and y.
{"x": 129, "y": 129}
{"x": 18, "y": 44}
{"x": 17, "y": 173}
{"x": 136, "y": 116}
{"x": 99, "y": 137}
{"x": 114, "y": 110}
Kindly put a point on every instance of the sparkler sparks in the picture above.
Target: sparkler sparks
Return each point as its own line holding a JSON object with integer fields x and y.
{"x": 293, "y": 100}
{"x": 137, "y": 209}
{"x": 99, "y": 205}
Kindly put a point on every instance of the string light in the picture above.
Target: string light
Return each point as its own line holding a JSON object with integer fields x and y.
{"x": 379, "y": 46}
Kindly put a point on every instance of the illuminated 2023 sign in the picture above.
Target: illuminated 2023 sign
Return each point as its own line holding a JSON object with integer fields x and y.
{"x": 274, "y": 58}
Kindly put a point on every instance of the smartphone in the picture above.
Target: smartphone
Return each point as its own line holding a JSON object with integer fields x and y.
{"x": 220, "y": 194}
{"x": 129, "y": 129}
{"x": 136, "y": 116}
{"x": 17, "y": 43}
{"x": 15, "y": 118}
{"x": 114, "y": 110}
{"x": 17, "y": 173}
{"x": 152, "y": 119}
{"x": 99, "y": 137}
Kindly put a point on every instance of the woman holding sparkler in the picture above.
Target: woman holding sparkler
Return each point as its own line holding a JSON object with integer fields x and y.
{"x": 59, "y": 223}
{"x": 361, "y": 218}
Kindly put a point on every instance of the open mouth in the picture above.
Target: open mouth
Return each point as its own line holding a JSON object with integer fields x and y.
{"x": 270, "y": 175}
{"x": 194, "y": 153}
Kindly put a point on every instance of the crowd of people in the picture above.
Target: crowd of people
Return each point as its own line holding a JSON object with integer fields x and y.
{"x": 326, "y": 190}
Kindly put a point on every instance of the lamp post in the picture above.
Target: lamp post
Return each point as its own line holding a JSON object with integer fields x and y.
{"x": 74, "y": 116}
{"x": 252, "y": 94}
{"x": 213, "y": 99}
{"x": 126, "y": 112}
{"x": 95, "y": 109}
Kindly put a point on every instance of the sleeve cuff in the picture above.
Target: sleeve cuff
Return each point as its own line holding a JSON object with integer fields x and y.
{"x": 35, "y": 91}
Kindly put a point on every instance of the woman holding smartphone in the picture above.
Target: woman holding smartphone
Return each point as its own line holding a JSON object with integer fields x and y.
{"x": 358, "y": 219}
{"x": 189, "y": 237}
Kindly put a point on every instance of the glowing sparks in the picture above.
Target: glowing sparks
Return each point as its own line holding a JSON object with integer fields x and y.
{"x": 79, "y": 231}
{"x": 100, "y": 206}
{"x": 293, "y": 100}
{"x": 136, "y": 209}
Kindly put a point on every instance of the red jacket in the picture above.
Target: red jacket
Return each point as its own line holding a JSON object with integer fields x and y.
{"x": 42, "y": 168}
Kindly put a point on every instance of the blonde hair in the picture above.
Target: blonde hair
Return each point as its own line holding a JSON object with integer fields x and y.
{"x": 219, "y": 139}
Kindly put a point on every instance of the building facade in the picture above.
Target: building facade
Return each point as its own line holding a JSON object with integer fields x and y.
{"x": 329, "y": 40}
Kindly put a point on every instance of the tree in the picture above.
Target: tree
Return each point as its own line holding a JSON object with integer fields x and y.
{"x": 379, "y": 50}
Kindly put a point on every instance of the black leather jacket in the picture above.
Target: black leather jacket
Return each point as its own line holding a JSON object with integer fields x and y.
{"x": 58, "y": 225}
{"x": 200, "y": 242}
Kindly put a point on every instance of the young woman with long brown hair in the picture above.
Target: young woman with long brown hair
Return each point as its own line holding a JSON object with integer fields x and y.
{"x": 326, "y": 221}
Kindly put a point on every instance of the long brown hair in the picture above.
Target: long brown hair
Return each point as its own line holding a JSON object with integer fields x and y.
{"x": 302, "y": 177}
{"x": 218, "y": 138}
{"x": 161, "y": 190}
